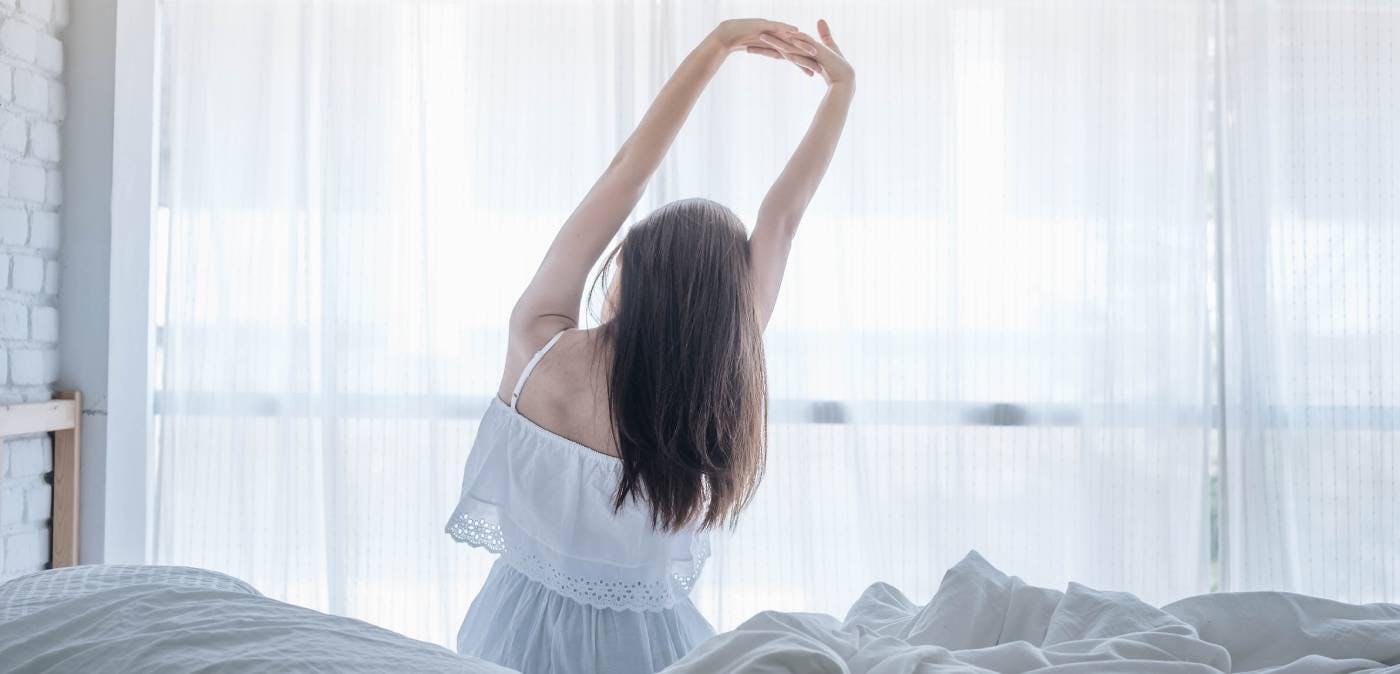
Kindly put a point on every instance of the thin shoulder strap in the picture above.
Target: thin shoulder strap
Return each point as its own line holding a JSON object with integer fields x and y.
{"x": 530, "y": 366}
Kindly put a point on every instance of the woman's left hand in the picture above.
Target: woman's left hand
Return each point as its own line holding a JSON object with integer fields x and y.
{"x": 770, "y": 38}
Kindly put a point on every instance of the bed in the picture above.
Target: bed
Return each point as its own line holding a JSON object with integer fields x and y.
{"x": 177, "y": 619}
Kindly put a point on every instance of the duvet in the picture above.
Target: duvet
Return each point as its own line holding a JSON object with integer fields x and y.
{"x": 981, "y": 621}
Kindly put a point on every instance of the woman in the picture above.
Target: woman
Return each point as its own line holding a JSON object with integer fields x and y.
{"x": 611, "y": 451}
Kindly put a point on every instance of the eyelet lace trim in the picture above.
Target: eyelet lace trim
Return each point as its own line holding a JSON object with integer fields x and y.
{"x": 699, "y": 552}
{"x": 617, "y": 595}
{"x": 477, "y": 533}
{"x": 611, "y": 594}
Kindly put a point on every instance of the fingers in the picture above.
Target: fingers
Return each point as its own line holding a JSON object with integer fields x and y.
{"x": 779, "y": 40}
{"x": 809, "y": 45}
{"x": 824, "y": 31}
{"x": 764, "y": 51}
{"x": 803, "y": 63}
{"x": 787, "y": 43}
{"x": 789, "y": 51}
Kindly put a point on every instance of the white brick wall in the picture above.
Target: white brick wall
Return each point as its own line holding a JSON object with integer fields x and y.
{"x": 31, "y": 113}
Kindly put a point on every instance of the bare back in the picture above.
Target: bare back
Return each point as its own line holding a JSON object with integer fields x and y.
{"x": 566, "y": 393}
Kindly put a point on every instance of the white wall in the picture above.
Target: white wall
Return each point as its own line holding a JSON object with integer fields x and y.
{"x": 32, "y": 108}
{"x": 87, "y": 136}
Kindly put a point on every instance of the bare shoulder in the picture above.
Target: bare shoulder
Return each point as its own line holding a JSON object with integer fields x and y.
{"x": 523, "y": 342}
{"x": 566, "y": 392}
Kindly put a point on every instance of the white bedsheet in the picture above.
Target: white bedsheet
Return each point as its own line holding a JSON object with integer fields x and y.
{"x": 981, "y": 620}
{"x": 168, "y": 619}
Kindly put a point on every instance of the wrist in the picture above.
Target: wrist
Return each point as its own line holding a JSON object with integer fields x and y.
{"x": 716, "y": 43}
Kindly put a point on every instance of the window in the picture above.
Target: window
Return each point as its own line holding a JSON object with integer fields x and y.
{"x": 1000, "y": 328}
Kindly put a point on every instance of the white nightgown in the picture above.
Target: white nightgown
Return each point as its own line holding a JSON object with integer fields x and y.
{"x": 577, "y": 588}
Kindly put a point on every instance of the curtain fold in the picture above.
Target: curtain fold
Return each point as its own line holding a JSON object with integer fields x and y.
{"x": 995, "y": 331}
{"x": 1312, "y": 470}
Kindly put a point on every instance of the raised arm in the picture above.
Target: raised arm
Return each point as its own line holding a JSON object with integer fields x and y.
{"x": 551, "y": 301}
{"x": 787, "y": 199}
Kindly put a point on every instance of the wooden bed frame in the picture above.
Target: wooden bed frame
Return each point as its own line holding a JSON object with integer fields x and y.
{"x": 63, "y": 418}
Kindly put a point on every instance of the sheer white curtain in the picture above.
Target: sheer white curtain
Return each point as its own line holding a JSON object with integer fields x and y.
{"x": 994, "y": 332}
{"x": 1312, "y": 451}
{"x": 991, "y": 334}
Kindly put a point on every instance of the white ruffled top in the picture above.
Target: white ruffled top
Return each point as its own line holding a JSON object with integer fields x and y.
{"x": 544, "y": 503}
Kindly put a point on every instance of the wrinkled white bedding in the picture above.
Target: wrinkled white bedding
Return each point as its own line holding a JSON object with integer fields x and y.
{"x": 982, "y": 621}
{"x": 170, "y": 619}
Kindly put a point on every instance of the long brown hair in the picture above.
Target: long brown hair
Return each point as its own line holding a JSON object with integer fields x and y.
{"x": 687, "y": 389}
